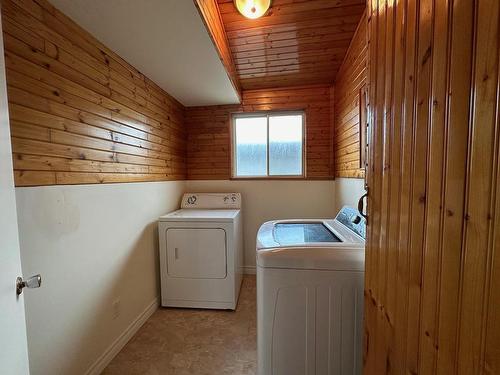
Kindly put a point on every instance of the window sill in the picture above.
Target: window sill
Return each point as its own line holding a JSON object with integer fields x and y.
{"x": 273, "y": 178}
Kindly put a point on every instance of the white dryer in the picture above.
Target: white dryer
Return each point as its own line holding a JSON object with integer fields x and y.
{"x": 201, "y": 252}
{"x": 310, "y": 282}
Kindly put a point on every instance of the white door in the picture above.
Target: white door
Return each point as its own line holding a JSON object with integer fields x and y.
{"x": 197, "y": 253}
{"x": 13, "y": 344}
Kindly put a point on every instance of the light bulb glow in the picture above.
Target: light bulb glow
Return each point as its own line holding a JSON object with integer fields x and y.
{"x": 252, "y": 8}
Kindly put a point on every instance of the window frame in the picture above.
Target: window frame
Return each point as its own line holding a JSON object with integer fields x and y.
{"x": 266, "y": 114}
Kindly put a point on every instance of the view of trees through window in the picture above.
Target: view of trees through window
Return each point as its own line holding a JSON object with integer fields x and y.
{"x": 268, "y": 145}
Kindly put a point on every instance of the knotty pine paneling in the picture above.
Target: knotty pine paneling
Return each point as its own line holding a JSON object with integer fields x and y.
{"x": 294, "y": 43}
{"x": 350, "y": 79}
{"x": 79, "y": 113}
{"x": 209, "y": 139}
{"x": 433, "y": 245}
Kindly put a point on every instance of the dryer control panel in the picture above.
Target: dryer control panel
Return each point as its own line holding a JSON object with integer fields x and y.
{"x": 211, "y": 200}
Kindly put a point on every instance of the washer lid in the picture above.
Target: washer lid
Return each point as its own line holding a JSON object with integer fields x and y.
{"x": 346, "y": 252}
{"x": 306, "y": 232}
{"x": 201, "y": 215}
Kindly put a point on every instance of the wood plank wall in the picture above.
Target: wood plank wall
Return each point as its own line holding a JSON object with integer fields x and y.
{"x": 209, "y": 140}
{"x": 350, "y": 79}
{"x": 79, "y": 113}
{"x": 433, "y": 246}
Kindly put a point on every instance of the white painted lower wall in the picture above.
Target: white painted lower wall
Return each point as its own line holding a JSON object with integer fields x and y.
{"x": 273, "y": 199}
{"x": 348, "y": 191}
{"x": 94, "y": 245}
{"x": 97, "y": 244}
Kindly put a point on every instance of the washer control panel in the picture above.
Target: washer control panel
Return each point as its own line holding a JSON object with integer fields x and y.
{"x": 351, "y": 218}
{"x": 211, "y": 200}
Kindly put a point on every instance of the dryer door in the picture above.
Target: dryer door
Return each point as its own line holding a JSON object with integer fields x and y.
{"x": 196, "y": 253}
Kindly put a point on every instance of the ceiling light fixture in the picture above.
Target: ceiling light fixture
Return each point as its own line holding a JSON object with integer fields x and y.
{"x": 252, "y": 8}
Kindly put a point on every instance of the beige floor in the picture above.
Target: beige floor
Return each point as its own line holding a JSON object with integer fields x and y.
{"x": 190, "y": 341}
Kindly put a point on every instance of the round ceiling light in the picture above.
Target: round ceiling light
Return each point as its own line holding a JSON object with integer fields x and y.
{"x": 252, "y": 8}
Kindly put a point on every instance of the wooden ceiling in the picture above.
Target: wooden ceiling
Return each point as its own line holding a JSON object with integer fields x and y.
{"x": 298, "y": 42}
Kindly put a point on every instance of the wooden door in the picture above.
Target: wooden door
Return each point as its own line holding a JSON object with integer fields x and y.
{"x": 433, "y": 244}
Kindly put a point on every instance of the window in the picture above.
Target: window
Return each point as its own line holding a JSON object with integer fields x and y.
{"x": 268, "y": 144}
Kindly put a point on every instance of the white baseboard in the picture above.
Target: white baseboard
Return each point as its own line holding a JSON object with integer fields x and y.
{"x": 249, "y": 270}
{"x": 120, "y": 342}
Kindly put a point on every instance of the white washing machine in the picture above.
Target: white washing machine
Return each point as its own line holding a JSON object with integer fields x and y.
{"x": 310, "y": 282}
{"x": 201, "y": 252}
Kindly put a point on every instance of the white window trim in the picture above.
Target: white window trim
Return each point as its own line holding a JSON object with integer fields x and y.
{"x": 266, "y": 114}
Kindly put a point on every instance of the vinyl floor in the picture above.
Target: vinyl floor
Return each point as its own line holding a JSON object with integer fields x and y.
{"x": 194, "y": 341}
